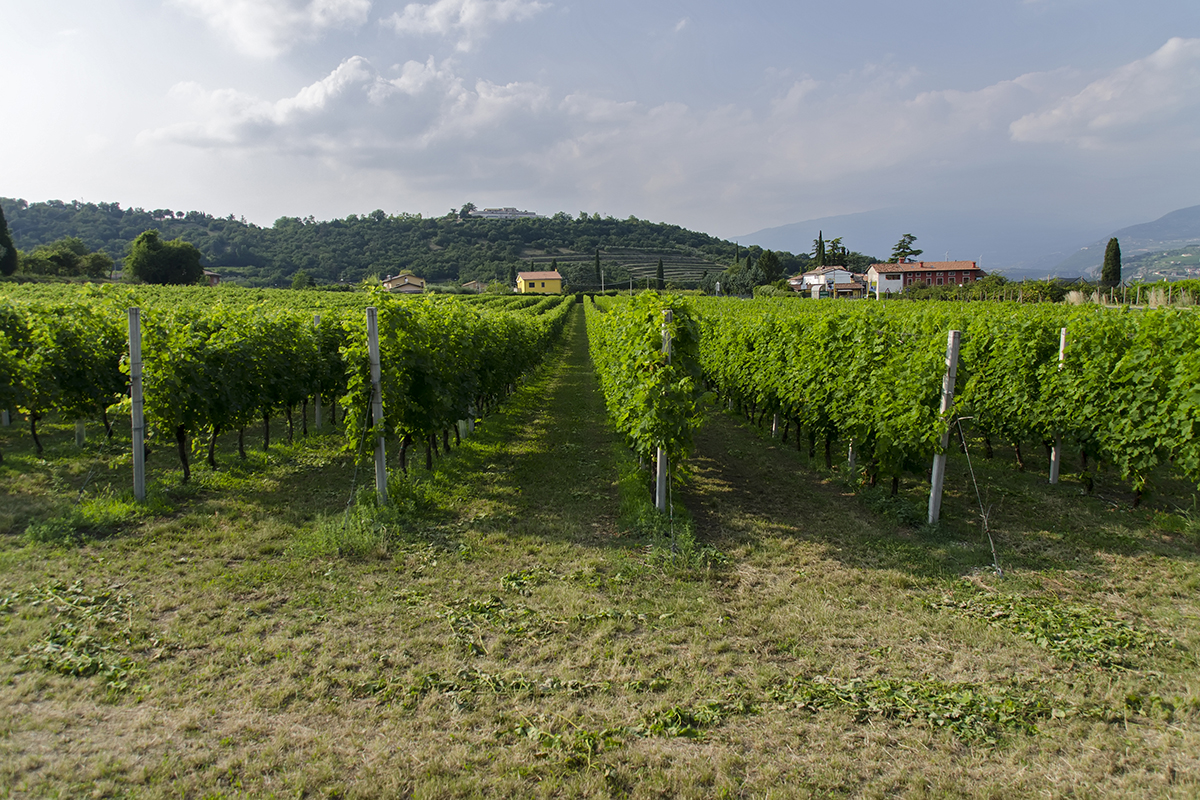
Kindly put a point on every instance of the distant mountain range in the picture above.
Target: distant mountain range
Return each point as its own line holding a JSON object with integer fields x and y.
{"x": 1017, "y": 246}
{"x": 1169, "y": 232}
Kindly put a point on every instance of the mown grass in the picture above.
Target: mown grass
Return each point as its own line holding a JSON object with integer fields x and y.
{"x": 519, "y": 623}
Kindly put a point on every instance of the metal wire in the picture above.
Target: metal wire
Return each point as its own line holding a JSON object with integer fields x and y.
{"x": 982, "y": 513}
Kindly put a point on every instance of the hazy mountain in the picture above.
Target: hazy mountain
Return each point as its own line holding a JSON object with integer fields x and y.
{"x": 1168, "y": 232}
{"x": 1019, "y": 246}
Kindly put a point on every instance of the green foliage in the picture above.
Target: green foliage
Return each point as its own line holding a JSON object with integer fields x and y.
{"x": 770, "y": 266}
{"x": 972, "y": 713}
{"x": 1071, "y": 632}
{"x": 303, "y": 280}
{"x": 68, "y": 257}
{"x": 8, "y": 250}
{"x": 152, "y": 260}
{"x": 904, "y": 250}
{"x": 88, "y": 632}
{"x": 344, "y": 251}
{"x": 1110, "y": 272}
{"x": 655, "y": 400}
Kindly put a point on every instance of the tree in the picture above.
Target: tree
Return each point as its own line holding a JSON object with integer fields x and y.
{"x": 904, "y": 249}
{"x": 8, "y": 251}
{"x": 770, "y": 265}
{"x": 598, "y": 266}
{"x": 659, "y": 283}
{"x": 152, "y": 260}
{"x": 512, "y": 273}
{"x": 818, "y": 250}
{"x": 1110, "y": 273}
{"x": 302, "y": 280}
{"x": 68, "y": 257}
{"x": 465, "y": 211}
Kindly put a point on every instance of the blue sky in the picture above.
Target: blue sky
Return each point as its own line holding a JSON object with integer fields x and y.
{"x": 718, "y": 116}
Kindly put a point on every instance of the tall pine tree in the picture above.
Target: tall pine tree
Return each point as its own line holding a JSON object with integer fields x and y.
{"x": 658, "y": 277}
{"x": 1110, "y": 273}
{"x": 8, "y": 250}
{"x": 819, "y": 250}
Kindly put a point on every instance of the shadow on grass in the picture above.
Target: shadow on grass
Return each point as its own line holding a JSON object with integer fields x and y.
{"x": 746, "y": 485}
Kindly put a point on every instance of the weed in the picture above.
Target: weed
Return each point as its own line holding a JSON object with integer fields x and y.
{"x": 85, "y": 637}
{"x": 1071, "y": 632}
{"x": 966, "y": 710}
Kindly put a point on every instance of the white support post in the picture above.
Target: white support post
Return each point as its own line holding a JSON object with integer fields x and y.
{"x": 377, "y": 404}
{"x": 5, "y": 418}
{"x": 939, "y": 459}
{"x": 137, "y": 416}
{"x": 317, "y": 399}
{"x": 775, "y": 425}
{"x": 1056, "y": 452}
{"x": 660, "y": 492}
{"x": 80, "y": 433}
{"x": 851, "y": 460}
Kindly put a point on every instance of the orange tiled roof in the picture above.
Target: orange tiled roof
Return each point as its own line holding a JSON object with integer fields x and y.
{"x": 926, "y": 266}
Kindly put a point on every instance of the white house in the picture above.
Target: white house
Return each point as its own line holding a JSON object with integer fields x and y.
{"x": 823, "y": 277}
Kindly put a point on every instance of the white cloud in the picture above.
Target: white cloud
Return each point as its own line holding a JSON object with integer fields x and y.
{"x": 266, "y": 28}
{"x": 356, "y": 116}
{"x": 862, "y": 139}
{"x": 1149, "y": 98}
{"x": 683, "y": 23}
{"x": 468, "y": 20}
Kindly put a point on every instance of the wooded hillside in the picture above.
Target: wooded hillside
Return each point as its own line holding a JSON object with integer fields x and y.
{"x": 443, "y": 249}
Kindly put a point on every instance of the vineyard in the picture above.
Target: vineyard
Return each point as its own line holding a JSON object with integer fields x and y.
{"x": 512, "y": 616}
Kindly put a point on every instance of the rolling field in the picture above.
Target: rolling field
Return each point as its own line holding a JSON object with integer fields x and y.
{"x": 520, "y": 623}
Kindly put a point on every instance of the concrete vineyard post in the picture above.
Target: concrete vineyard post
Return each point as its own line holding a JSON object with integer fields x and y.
{"x": 377, "y": 404}
{"x": 939, "y": 460}
{"x": 137, "y": 415}
{"x": 660, "y": 492}
{"x": 1056, "y": 452}
{"x": 80, "y": 433}
{"x": 317, "y": 403}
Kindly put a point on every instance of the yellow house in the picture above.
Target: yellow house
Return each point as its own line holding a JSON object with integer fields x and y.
{"x": 539, "y": 282}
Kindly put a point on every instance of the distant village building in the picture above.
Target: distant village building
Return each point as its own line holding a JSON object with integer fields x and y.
{"x": 539, "y": 282}
{"x": 826, "y": 277}
{"x": 831, "y": 281}
{"x": 213, "y": 278}
{"x": 508, "y": 212}
{"x": 406, "y": 283}
{"x": 887, "y": 278}
{"x": 475, "y": 286}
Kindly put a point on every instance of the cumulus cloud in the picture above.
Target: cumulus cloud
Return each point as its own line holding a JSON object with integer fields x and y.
{"x": 426, "y": 124}
{"x": 467, "y": 20}
{"x": 266, "y": 28}
{"x": 357, "y": 115}
{"x": 1151, "y": 97}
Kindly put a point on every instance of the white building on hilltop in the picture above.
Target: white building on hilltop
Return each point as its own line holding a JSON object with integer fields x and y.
{"x": 508, "y": 212}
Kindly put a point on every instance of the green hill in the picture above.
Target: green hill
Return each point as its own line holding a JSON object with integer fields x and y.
{"x": 444, "y": 249}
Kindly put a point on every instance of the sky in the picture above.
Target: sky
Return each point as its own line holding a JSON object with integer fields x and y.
{"x": 721, "y": 117}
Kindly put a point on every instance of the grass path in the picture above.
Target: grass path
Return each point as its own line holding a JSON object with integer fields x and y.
{"x": 501, "y": 631}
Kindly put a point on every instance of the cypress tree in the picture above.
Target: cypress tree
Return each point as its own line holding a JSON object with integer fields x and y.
{"x": 8, "y": 251}
{"x": 597, "y": 265}
{"x": 1110, "y": 273}
{"x": 658, "y": 277}
{"x": 819, "y": 250}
